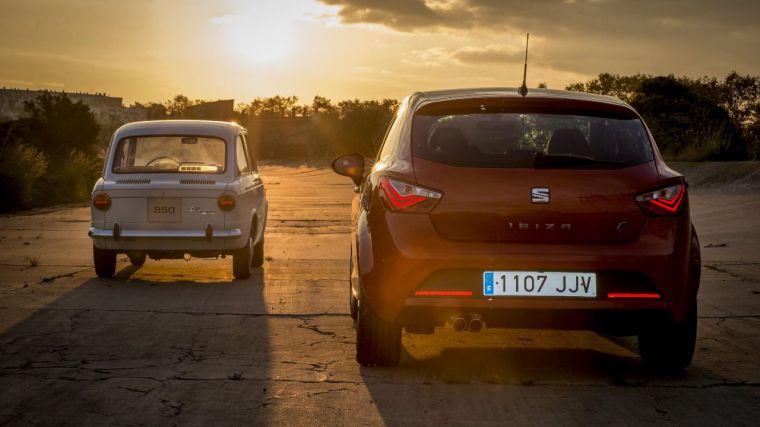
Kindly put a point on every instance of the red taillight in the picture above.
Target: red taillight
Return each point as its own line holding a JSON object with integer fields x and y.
{"x": 226, "y": 202}
{"x": 402, "y": 197}
{"x": 633, "y": 296}
{"x": 102, "y": 201}
{"x": 663, "y": 202}
{"x": 443, "y": 293}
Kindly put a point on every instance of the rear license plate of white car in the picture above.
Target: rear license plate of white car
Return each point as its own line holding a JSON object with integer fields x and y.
{"x": 539, "y": 284}
{"x": 164, "y": 210}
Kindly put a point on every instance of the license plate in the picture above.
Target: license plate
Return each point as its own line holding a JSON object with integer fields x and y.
{"x": 539, "y": 284}
{"x": 164, "y": 210}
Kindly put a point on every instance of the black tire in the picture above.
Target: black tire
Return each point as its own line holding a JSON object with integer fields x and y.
{"x": 105, "y": 262}
{"x": 258, "y": 253}
{"x": 353, "y": 301}
{"x": 378, "y": 343}
{"x": 137, "y": 260}
{"x": 669, "y": 346}
{"x": 241, "y": 261}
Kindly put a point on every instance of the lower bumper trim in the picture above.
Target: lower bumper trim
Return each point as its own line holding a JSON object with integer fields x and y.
{"x": 101, "y": 233}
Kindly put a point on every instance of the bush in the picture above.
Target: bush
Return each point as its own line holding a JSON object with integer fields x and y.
{"x": 21, "y": 167}
{"x": 69, "y": 179}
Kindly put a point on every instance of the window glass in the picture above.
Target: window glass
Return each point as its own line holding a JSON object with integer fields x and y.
{"x": 169, "y": 154}
{"x": 392, "y": 136}
{"x": 494, "y": 136}
{"x": 251, "y": 159}
{"x": 242, "y": 157}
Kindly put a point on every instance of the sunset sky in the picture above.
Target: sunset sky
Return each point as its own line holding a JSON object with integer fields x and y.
{"x": 149, "y": 50}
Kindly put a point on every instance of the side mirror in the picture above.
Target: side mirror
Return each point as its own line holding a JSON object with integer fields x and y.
{"x": 350, "y": 165}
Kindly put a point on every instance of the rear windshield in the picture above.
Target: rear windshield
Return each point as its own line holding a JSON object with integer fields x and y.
{"x": 492, "y": 135}
{"x": 170, "y": 154}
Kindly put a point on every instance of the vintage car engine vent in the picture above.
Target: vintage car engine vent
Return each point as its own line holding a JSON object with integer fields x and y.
{"x": 133, "y": 181}
{"x": 197, "y": 181}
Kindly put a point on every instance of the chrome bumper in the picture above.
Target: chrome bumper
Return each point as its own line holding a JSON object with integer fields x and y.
{"x": 121, "y": 234}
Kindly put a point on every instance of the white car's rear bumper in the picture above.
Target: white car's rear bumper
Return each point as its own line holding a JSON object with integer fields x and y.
{"x": 100, "y": 233}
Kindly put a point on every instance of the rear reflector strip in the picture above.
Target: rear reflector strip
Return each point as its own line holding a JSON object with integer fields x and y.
{"x": 633, "y": 296}
{"x": 443, "y": 293}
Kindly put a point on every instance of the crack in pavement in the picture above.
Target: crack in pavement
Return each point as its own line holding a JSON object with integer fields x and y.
{"x": 730, "y": 273}
{"x": 620, "y": 384}
{"x": 192, "y": 313}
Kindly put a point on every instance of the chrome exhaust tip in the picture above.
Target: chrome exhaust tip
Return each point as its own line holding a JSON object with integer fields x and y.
{"x": 476, "y": 324}
{"x": 459, "y": 324}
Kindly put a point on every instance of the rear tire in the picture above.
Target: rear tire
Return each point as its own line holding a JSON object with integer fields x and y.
{"x": 137, "y": 260}
{"x": 669, "y": 346}
{"x": 258, "y": 253}
{"x": 105, "y": 262}
{"x": 378, "y": 343}
{"x": 353, "y": 303}
{"x": 241, "y": 261}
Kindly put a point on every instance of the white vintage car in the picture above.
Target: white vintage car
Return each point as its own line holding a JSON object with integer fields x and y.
{"x": 175, "y": 188}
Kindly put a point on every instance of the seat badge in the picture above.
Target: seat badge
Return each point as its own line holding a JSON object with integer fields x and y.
{"x": 539, "y": 195}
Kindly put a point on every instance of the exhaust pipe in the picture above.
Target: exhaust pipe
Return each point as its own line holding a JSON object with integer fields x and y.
{"x": 459, "y": 324}
{"x": 476, "y": 324}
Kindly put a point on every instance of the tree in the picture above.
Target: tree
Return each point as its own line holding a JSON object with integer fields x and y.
{"x": 687, "y": 124}
{"x": 57, "y": 125}
{"x": 176, "y": 106}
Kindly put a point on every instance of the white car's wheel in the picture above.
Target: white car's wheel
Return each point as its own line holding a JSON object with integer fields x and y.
{"x": 105, "y": 262}
{"x": 258, "y": 253}
{"x": 242, "y": 260}
{"x": 137, "y": 259}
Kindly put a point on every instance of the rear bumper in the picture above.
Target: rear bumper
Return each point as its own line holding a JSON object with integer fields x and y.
{"x": 401, "y": 253}
{"x": 162, "y": 240}
{"x": 100, "y": 233}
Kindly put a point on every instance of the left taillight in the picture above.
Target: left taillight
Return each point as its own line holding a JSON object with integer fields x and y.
{"x": 226, "y": 202}
{"x": 400, "y": 196}
{"x": 663, "y": 202}
{"x": 102, "y": 201}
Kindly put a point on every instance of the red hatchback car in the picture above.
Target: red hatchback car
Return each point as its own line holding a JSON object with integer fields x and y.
{"x": 553, "y": 210}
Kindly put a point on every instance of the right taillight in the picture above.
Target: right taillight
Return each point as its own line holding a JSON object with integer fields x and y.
{"x": 400, "y": 196}
{"x": 663, "y": 202}
{"x": 226, "y": 202}
{"x": 102, "y": 201}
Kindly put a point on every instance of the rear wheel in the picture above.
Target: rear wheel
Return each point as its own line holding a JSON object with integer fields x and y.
{"x": 378, "y": 342}
{"x": 669, "y": 346}
{"x": 258, "y": 253}
{"x": 105, "y": 262}
{"x": 137, "y": 259}
{"x": 241, "y": 261}
{"x": 353, "y": 301}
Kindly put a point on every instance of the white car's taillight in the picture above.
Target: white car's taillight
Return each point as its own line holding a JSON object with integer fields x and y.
{"x": 663, "y": 202}
{"x": 102, "y": 201}
{"x": 400, "y": 196}
{"x": 226, "y": 202}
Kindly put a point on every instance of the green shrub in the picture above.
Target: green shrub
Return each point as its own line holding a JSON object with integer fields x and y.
{"x": 21, "y": 168}
{"x": 69, "y": 178}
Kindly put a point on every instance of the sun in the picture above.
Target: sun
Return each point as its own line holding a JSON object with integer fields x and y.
{"x": 259, "y": 33}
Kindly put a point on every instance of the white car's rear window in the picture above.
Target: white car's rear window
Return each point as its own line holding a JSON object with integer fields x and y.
{"x": 170, "y": 154}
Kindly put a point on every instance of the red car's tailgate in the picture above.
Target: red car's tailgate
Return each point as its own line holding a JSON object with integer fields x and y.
{"x": 497, "y": 204}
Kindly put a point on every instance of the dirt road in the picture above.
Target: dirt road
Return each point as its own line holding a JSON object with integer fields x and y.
{"x": 179, "y": 342}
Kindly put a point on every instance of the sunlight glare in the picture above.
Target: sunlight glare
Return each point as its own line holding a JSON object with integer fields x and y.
{"x": 259, "y": 32}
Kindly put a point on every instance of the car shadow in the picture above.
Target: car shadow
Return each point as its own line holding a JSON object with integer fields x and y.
{"x": 132, "y": 351}
{"x": 487, "y": 379}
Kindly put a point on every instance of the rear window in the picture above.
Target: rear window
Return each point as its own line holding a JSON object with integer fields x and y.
{"x": 495, "y": 134}
{"x": 170, "y": 154}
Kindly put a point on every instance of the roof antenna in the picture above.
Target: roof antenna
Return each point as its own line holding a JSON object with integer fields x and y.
{"x": 523, "y": 90}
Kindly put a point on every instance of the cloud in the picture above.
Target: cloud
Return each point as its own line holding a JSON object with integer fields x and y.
{"x": 486, "y": 55}
{"x": 583, "y": 36}
{"x": 403, "y": 15}
{"x": 551, "y": 16}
